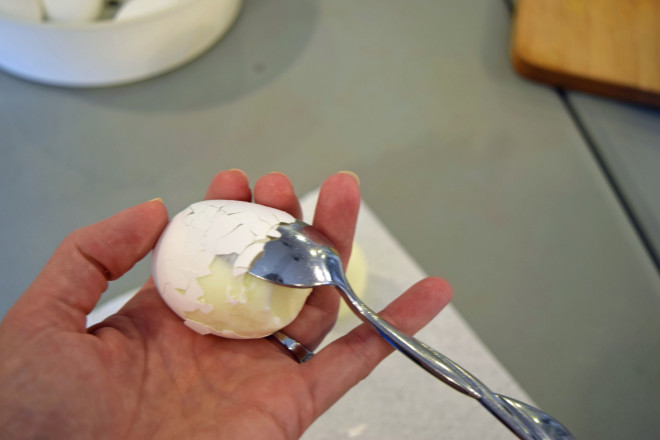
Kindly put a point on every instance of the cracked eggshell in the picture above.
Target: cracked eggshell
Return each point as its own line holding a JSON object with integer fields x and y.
{"x": 200, "y": 269}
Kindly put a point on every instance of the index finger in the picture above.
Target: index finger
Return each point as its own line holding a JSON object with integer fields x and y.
{"x": 229, "y": 185}
{"x": 337, "y": 210}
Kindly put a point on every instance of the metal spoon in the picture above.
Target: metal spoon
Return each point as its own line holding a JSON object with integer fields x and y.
{"x": 304, "y": 257}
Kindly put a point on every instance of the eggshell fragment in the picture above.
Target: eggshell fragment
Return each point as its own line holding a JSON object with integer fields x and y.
{"x": 200, "y": 268}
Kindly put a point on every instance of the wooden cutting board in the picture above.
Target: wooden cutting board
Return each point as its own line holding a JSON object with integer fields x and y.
{"x": 607, "y": 47}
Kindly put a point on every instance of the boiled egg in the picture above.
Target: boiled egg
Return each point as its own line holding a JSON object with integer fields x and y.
{"x": 73, "y": 10}
{"x": 200, "y": 266}
{"x": 138, "y": 8}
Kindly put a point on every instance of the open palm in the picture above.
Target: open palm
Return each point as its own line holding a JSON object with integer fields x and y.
{"x": 142, "y": 374}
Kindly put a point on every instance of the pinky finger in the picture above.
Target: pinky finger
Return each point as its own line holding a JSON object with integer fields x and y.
{"x": 348, "y": 360}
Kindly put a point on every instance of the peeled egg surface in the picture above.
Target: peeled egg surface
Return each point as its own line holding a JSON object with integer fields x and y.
{"x": 200, "y": 266}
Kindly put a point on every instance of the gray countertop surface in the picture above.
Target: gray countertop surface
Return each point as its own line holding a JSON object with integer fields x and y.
{"x": 626, "y": 138}
{"x": 485, "y": 178}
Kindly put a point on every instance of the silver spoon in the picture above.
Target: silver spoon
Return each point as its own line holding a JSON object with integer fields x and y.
{"x": 304, "y": 257}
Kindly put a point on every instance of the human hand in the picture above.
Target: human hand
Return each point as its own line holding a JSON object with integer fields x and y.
{"x": 142, "y": 374}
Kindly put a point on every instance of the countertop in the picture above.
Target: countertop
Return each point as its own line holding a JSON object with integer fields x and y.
{"x": 525, "y": 199}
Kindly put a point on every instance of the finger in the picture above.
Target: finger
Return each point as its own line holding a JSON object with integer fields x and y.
{"x": 229, "y": 185}
{"x": 336, "y": 216}
{"x": 275, "y": 190}
{"x": 337, "y": 210}
{"x": 343, "y": 363}
{"x": 74, "y": 278}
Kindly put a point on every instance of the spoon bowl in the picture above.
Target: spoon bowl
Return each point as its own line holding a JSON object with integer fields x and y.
{"x": 304, "y": 257}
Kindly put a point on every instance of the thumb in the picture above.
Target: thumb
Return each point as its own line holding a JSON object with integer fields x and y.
{"x": 71, "y": 283}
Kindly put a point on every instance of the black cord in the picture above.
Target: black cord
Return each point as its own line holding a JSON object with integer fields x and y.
{"x": 609, "y": 176}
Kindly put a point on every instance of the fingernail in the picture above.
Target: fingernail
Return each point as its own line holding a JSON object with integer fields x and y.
{"x": 351, "y": 173}
{"x": 155, "y": 199}
{"x": 238, "y": 170}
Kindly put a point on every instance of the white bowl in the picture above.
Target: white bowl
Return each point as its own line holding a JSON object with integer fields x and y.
{"x": 108, "y": 53}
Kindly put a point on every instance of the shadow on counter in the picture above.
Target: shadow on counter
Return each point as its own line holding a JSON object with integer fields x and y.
{"x": 263, "y": 43}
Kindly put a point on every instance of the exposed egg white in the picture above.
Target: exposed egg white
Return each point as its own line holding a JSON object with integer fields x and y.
{"x": 73, "y": 10}
{"x": 200, "y": 268}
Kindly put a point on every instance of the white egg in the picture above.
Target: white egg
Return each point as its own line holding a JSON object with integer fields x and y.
{"x": 73, "y": 10}
{"x": 138, "y": 8}
{"x": 22, "y": 9}
{"x": 200, "y": 268}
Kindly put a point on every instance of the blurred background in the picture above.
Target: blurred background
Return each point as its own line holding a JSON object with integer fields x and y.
{"x": 538, "y": 203}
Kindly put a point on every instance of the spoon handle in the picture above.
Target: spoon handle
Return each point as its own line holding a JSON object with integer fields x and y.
{"x": 527, "y": 422}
